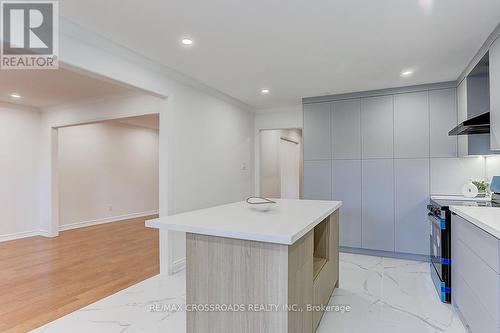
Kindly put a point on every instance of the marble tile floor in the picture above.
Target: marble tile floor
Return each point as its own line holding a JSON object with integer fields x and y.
{"x": 385, "y": 296}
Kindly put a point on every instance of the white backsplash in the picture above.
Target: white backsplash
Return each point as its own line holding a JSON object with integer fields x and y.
{"x": 448, "y": 175}
{"x": 492, "y": 166}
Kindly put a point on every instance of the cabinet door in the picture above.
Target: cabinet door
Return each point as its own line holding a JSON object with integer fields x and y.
{"x": 463, "y": 140}
{"x": 495, "y": 94}
{"x": 317, "y": 140}
{"x": 378, "y": 204}
{"x": 347, "y": 188}
{"x": 476, "y": 284}
{"x": 411, "y": 198}
{"x": 443, "y": 117}
{"x": 377, "y": 127}
{"x": 346, "y": 129}
{"x": 411, "y": 125}
{"x": 318, "y": 180}
{"x": 478, "y": 103}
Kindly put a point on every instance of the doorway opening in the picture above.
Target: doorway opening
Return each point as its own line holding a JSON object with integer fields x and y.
{"x": 108, "y": 171}
{"x": 281, "y": 163}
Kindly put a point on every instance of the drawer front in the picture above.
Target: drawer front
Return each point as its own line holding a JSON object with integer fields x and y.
{"x": 473, "y": 311}
{"x": 481, "y": 279}
{"x": 484, "y": 245}
{"x": 323, "y": 287}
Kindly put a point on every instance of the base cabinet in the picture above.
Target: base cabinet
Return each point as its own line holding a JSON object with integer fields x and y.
{"x": 475, "y": 276}
{"x": 224, "y": 271}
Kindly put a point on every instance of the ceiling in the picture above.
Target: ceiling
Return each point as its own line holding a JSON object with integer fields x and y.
{"x": 297, "y": 48}
{"x": 44, "y": 88}
{"x": 151, "y": 121}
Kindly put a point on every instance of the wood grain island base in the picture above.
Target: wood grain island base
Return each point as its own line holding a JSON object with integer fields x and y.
{"x": 232, "y": 271}
{"x": 250, "y": 283}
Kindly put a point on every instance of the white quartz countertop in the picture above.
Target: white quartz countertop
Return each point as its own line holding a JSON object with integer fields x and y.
{"x": 285, "y": 223}
{"x": 486, "y": 218}
{"x": 460, "y": 198}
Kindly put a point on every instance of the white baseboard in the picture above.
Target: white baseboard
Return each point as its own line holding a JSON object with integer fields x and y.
{"x": 24, "y": 234}
{"x": 43, "y": 233}
{"x": 386, "y": 254}
{"x": 179, "y": 265}
{"x": 105, "y": 220}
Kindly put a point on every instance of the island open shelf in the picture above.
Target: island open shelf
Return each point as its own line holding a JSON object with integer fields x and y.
{"x": 318, "y": 265}
{"x": 321, "y": 252}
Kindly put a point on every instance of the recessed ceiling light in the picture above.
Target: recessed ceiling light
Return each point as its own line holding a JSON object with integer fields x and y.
{"x": 14, "y": 95}
{"x": 407, "y": 73}
{"x": 187, "y": 41}
{"x": 265, "y": 91}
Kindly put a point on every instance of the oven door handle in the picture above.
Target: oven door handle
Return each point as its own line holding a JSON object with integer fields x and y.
{"x": 440, "y": 223}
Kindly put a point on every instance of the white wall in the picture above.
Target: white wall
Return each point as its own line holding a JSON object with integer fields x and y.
{"x": 107, "y": 171}
{"x": 211, "y": 154}
{"x": 278, "y": 118}
{"x": 19, "y": 137}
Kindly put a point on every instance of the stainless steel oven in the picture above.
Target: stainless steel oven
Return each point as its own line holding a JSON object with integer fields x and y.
{"x": 439, "y": 216}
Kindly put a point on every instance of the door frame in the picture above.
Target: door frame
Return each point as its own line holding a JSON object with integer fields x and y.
{"x": 297, "y": 158}
{"x": 257, "y": 157}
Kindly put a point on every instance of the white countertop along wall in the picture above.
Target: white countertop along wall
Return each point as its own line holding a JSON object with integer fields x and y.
{"x": 284, "y": 224}
{"x": 486, "y": 218}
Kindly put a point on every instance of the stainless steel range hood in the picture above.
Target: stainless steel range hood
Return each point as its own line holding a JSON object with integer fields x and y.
{"x": 477, "y": 125}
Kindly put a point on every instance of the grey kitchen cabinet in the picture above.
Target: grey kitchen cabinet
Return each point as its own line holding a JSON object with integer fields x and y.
{"x": 346, "y": 129}
{"x": 411, "y": 125}
{"x": 468, "y": 303}
{"x": 443, "y": 117}
{"x": 463, "y": 140}
{"x": 377, "y": 127}
{"x": 478, "y": 102}
{"x": 317, "y": 132}
{"x": 476, "y": 280}
{"x": 318, "y": 180}
{"x": 495, "y": 95}
{"x": 347, "y": 188}
{"x": 411, "y": 198}
{"x": 378, "y": 204}
{"x": 473, "y": 100}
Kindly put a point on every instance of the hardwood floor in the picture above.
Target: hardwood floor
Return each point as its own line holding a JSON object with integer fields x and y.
{"x": 42, "y": 279}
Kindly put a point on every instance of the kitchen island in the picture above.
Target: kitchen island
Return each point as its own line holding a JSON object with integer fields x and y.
{"x": 254, "y": 271}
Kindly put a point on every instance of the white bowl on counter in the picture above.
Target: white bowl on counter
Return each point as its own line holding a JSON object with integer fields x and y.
{"x": 260, "y": 204}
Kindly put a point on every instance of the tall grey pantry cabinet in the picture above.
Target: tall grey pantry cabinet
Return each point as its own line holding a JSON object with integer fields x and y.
{"x": 346, "y": 168}
{"x": 411, "y": 172}
{"x": 317, "y": 152}
{"x": 377, "y": 150}
{"x": 375, "y": 153}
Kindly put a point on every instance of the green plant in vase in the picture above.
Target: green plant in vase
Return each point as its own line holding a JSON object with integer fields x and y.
{"x": 482, "y": 185}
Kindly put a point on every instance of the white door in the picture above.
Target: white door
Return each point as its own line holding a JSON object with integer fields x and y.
{"x": 289, "y": 169}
